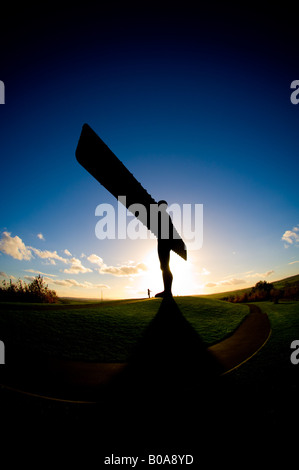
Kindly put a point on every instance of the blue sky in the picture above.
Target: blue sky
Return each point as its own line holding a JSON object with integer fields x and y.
{"x": 196, "y": 105}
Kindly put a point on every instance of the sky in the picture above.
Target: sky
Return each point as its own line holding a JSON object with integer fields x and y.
{"x": 195, "y": 103}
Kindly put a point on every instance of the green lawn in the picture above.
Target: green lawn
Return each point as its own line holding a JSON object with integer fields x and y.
{"x": 261, "y": 395}
{"x": 267, "y": 385}
{"x": 107, "y": 332}
{"x": 275, "y": 356}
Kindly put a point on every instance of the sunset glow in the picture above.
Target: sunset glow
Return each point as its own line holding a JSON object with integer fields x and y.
{"x": 206, "y": 124}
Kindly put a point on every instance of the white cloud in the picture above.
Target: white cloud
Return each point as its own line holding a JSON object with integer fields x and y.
{"x": 14, "y": 246}
{"x": 291, "y": 237}
{"x": 232, "y": 282}
{"x": 236, "y": 281}
{"x": 40, "y": 236}
{"x": 261, "y": 275}
{"x": 126, "y": 270}
{"x": 50, "y": 255}
{"x": 77, "y": 267}
{"x": 3, "y": 274}
{"x": 38, "y": 272}
{"x": 227, "y": 282}
{"x": 268, "y": 273}
{"x": 204, "y": 272}
{"x": 64, "y": 282}
{"x": 294, "y": 262}
{"x": 211, "y": 284}
{"x": 91, "y": 285}
{"x": 95, "y": 259}
{"x": 73, "y": 282}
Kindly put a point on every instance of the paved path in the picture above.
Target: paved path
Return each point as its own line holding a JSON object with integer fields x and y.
{"x": 61, "y": 380}
{"x": 247, "y": 340}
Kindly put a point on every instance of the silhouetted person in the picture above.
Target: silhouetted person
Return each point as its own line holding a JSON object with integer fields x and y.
{"x": 149, "y": 293}
{"x": 164, "y": 248}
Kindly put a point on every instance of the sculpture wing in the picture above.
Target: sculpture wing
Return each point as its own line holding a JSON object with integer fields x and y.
{"x": 96, "y": 157}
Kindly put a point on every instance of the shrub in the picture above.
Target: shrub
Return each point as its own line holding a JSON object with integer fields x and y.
{"x": 36, "y": 291}
{"x": 263, "y": 291}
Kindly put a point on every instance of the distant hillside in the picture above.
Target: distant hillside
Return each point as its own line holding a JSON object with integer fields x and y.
{"x": 281, "y": 284}
{"x": 287, "y": 282}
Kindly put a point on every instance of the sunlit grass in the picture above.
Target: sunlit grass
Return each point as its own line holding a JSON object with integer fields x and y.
{"x": 107, "y": 332}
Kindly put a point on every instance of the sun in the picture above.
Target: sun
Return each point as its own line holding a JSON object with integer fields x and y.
{"x": 184, "y": 277}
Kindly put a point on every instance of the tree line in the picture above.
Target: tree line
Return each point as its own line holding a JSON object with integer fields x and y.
{"x": 20, "y": 291}
{"x": 263, "y": 291}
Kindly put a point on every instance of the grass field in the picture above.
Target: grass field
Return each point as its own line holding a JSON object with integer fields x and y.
{"x": 107, "y": 331}
{"x": 252, "y": 406}
{"x": 266, "y": 387}
{"x": 275, "y": 356}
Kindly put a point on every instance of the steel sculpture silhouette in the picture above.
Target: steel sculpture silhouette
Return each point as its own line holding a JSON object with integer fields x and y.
{"x": 96, "y": 157}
